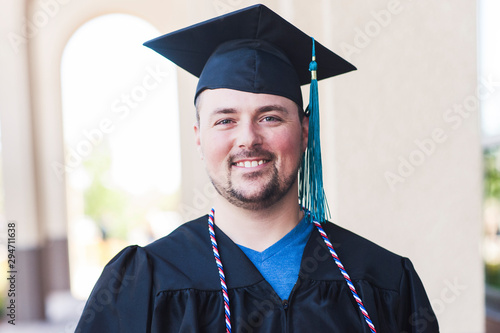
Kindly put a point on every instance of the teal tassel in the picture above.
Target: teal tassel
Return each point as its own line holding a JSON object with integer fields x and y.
{"x": 311, "y": 194}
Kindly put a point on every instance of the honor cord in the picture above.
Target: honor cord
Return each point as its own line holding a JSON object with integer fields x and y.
{"x": 328, "y": 245}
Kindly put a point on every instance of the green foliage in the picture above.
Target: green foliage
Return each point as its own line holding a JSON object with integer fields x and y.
{"x": 492, "y": 193}
{"x": 492, "y": 275}
{"x": 492, "y": 173}
{"x": 116, "y": 211}
{"x": 104, "y": 203}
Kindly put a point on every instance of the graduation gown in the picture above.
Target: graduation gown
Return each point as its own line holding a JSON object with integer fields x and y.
{"x": 172, "y": 285}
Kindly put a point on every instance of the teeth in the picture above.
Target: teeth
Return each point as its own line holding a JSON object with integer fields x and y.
{"x": 250, "y": 164}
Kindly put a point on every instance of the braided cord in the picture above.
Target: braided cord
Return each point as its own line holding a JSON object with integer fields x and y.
{"x": 330, "y": 248}
{"x": 221, "y": 270}
{"x": 346, "y": 276}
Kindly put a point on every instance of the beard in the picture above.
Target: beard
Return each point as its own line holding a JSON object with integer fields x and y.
{"x": 272, "y": 190}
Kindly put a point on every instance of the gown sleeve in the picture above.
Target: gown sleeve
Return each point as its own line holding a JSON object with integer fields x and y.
{"x": 121, "y": 300}
{"x": 416, "y": 314}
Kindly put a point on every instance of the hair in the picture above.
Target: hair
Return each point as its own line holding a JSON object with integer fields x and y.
{"x": 197, "y": 108}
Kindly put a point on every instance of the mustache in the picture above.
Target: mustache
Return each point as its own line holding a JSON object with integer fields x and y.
{"x": 244, "y": 154}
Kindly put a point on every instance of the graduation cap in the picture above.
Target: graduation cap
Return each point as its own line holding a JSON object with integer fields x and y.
{"x": 256, "y": 50}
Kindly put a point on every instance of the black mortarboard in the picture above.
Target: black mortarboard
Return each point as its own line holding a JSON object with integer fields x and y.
{"x": 252, "y": 49}
{"x": 256, "y": 50}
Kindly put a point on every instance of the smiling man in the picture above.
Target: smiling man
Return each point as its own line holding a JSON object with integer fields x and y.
{"x": 261, "y": 141}
{"x": 265, "y": 259}
{"x": 254, "y": 165}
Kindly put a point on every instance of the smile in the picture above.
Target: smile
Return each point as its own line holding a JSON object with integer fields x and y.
{"x": 250, "y": 164}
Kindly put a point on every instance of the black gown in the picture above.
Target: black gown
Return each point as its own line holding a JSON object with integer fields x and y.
{"x": 172, "y": 285}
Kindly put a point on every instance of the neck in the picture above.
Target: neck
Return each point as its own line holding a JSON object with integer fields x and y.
{"x": 258, "y": 229}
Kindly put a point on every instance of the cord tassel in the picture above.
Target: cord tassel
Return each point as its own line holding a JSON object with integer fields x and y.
{"x": 311, "y": 193}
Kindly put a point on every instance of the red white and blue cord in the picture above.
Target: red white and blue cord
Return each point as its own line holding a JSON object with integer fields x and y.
{"x": 330, "y": 248}
{"x": 221, "y": 269}
{"x": 346, "y": 276}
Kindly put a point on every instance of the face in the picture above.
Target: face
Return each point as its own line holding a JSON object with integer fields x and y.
{"x": 252, "y": 145}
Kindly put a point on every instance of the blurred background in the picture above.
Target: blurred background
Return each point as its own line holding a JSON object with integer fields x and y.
{"x": 97, "y": 146}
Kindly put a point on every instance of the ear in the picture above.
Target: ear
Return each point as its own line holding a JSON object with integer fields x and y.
{"x": 305, "y": 132}
{"x": 197, "y": 139}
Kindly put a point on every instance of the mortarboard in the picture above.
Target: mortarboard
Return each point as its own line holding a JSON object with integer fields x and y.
{"x": 256, "y": 50}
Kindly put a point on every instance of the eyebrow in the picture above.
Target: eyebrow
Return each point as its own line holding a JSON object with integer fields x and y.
{"x": 274, "y": 107}
{"x": 262, "y": 109}
{"x": 222, "y": 111}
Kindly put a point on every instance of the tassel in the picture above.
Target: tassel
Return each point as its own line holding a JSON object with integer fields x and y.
{"x": 311, "y": 194}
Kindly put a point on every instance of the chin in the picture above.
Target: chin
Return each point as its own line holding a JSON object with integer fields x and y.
{"x": 249, "y": 196}
{"x": 256, "y": 190}
{"x": 254, "y": 205}
{"x": 261, "y": 198}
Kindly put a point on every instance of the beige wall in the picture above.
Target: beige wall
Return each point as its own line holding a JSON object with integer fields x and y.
{"x": 411, "y": 74}
{"x": 415, "y": 62}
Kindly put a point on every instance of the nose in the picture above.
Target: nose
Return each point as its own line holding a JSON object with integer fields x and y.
{"x": 248, "y": 135}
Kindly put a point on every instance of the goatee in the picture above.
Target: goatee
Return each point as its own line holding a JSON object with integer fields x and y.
{"x": 270, "y": 193}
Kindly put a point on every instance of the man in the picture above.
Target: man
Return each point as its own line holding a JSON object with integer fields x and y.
{"x": 259, "y": 262}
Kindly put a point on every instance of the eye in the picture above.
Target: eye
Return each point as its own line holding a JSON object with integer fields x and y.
{"x": 270, "y": 119}
{"x": 224, "y": 122}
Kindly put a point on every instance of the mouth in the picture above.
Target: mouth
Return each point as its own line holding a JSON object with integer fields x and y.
{"x": 250, "y": 163}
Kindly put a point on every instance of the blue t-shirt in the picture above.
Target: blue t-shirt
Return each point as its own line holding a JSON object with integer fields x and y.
{"x": 279, "y": 264}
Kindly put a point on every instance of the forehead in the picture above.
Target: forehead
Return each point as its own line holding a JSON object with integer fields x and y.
{"x": 216, "y": 99}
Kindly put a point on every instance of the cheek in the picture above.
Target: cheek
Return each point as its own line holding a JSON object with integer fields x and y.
{"x": 290, "y": 147}
{"x": 215, "y": 149}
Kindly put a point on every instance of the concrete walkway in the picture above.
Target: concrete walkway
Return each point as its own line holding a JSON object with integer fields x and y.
{"x": 38, "y": 327}
{"x": 62, "y": 312}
